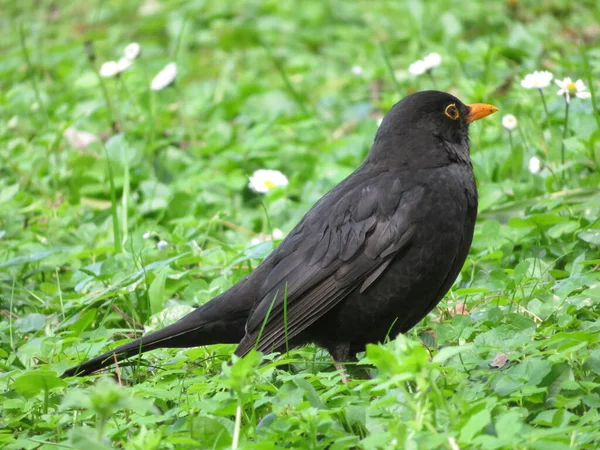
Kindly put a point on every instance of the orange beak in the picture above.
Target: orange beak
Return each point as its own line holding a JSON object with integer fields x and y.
{"x": 479, "y": 111}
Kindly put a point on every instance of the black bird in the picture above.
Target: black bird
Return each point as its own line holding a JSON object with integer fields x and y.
{"x": 369, "y": 260}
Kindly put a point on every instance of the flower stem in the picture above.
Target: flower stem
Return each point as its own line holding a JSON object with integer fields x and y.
{"x": 546, "y": 109}
{"x": 562, "y": 147}
{"x": 430, "y": 74}
{"x": 388, "y": 65}
{"x": 91, "y": 57}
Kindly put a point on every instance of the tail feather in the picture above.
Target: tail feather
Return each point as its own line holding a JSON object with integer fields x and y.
{"x": 193, "y": 330}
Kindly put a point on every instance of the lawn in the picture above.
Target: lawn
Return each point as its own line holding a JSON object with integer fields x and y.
{"x": 122, "y": 207}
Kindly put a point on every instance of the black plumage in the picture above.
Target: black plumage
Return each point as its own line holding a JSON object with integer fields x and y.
{"x": 370, "y": 259}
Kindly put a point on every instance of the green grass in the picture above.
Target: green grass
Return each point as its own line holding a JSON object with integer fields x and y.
{"x": 268, "y": 84}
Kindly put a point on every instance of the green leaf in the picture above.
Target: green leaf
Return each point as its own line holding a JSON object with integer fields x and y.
{"x": 590, "y": 236}
{"x": 556, "y": 231}
{"x": 475, "y": 424}
{"x": 156, "y": 291}
{"x": 86, "y": 438}
{"x": 447, "y": 353}
{"x": 31, "y": 322}
{"x": 31, "y": 383}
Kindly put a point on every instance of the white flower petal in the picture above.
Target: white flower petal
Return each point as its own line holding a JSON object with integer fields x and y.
{"x": 164, "y": 78}
{"x": 535, "y": 164}
{"x": 564, "y": 83}
{"x": 264, "y": 180}
{"x": 569, "y": 88}
{"x": 537, "y": 80}
{"x": 277, "y": 234}
{"x": 509, "y": 122}
{"x": 132, "y": 51}
{"x": 417, "y": 68}
{"x": 123, "y": 64}
{"x": 432, "y": 60}
{"x": 162, "y": 244}
{"x": 109, "y": 69}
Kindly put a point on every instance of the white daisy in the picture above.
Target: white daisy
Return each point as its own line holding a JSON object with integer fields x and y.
{"x": 569, "y": 88}
{"x": 132, "y": 51}
{"x": 432, "y": 60}
{"x": 417, "y": 68}
{"x": 357, "y": 70}
{"x": 164, "y": 78}
{"x": 537, "y": 80}
{"x": 162, "y": 244}
{"x": 264, "y": 180}
{"x": 109, "y": 69}
{"x": 509, "y": 122}
{"x": 123, "y": 64}
{"x": 535, "y": 164}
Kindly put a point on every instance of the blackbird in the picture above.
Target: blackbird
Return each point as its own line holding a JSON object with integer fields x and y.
{"x": 369, "y": 260}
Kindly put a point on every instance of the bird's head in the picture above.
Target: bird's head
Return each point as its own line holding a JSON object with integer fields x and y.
{"x": 424, "y": 115}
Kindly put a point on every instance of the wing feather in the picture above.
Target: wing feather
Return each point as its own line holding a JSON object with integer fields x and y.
{"x": 349, "y": 238}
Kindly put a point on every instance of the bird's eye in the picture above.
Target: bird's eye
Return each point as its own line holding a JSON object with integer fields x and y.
{"x": 452, "y": 111}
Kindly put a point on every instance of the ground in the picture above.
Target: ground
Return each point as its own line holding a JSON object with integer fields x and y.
{"x": 122, "y": 207}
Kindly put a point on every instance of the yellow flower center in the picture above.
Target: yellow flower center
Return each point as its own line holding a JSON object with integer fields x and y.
{"x": 571, "y": 88}
{"x": 269, "y": 184}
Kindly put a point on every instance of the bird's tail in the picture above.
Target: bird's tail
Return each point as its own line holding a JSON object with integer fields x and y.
{"x": 200, "y": 327}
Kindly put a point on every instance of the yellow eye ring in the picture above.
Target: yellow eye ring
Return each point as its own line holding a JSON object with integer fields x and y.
{"x": 452, "y": 111}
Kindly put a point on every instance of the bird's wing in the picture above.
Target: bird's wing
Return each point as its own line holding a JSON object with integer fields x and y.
{"x": 343, "y": 243}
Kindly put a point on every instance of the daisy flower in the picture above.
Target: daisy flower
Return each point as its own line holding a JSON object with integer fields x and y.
{"x": 109, "y": 69}
{"x": 535, "y": 165}
{"x": 537, "y": 80}
{"x": 509, "y": 122}
{"x": 417, "y": 68}
{"x": 427, "y": 64}
{"x": 164, "y": 78}
{"x": 132, "y": 51}
{"x": 432, "y": 60}
{"x": 264, "y": 180}
{"x": 570, "y": 88}
{"x": 114, "y": 68}
{"x": 123, "y": 64}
